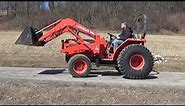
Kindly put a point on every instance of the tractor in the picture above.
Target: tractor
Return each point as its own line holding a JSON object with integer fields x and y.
{"x": 131, "y": 59}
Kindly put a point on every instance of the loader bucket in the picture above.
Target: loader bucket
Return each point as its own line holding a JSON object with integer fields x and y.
{"x": 29, "y": 37}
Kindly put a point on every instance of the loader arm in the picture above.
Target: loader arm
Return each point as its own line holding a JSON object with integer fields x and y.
{"x": 96, "y": 46}
{"x": 65, "y": 25}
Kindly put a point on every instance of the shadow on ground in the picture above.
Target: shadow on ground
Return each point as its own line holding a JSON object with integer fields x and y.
{"x": 106, "y": 73}
{"x": 149, "y": 77}
{"x": 52, "y": 71}
{"x": 91, "y": 74}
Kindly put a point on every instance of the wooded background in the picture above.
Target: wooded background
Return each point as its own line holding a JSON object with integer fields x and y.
{"x": 101, "y": 15}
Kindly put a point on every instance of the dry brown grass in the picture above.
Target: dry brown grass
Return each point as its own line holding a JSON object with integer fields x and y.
{"x": 171, "y": 47}
{"x": 2, "y": 13}
{"x": 28, "y": 92}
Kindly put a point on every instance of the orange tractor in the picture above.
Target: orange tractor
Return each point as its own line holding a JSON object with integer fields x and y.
{"x": 132, "y": 59}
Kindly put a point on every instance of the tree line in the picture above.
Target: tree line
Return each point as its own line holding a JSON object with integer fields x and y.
{"x": 103, "y": 15}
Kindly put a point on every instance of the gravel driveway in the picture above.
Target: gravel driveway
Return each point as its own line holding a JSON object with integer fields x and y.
{"x": 56, "y": 86}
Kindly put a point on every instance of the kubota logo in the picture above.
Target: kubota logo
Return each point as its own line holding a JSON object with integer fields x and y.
{"x": 85, "y": 29}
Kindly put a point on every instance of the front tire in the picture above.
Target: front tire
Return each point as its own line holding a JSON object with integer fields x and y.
{"x": 79, "y": 65}
{"x": 135, "y": 61}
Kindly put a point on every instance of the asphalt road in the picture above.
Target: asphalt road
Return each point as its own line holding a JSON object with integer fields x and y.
{"x": 97, "y": 77}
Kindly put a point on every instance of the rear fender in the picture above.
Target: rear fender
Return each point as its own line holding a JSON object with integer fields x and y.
{"x": 126, "y": 43}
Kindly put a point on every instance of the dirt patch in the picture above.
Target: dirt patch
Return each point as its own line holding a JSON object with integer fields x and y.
{"x": 42, "y": 92}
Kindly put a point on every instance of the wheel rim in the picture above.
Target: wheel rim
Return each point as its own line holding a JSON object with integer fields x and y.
{"x": 80, "y": 66}
{"x": 137, "y": 62}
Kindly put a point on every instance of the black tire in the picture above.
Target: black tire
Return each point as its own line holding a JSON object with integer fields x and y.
{"x": 125, "y": 62}
{"x": 74, "y": 63}
{"x": 117, "y": 68}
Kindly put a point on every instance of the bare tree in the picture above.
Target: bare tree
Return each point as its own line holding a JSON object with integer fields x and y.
{"x": 96, "y": 14}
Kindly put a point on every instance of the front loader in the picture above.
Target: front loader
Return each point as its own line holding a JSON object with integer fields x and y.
{"x": 132, "y": 59}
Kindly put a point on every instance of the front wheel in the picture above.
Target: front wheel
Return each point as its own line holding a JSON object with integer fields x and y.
{"x": 79, "y": 65}
{"x": 135, "y": 61}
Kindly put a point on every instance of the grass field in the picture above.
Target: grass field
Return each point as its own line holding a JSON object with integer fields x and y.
{"x": 35, "y": 92}
{"x": 171, "y": 48}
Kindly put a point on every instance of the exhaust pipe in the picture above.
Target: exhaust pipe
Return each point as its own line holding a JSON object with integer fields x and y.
{"x": 30, "y": 37}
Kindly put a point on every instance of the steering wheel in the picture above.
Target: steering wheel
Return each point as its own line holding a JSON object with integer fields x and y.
{"x": 111, "y": 37}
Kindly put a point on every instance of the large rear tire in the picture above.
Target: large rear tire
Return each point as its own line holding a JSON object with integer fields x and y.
{"x": 79, "y": 65}
{"x": 135, "y": 61}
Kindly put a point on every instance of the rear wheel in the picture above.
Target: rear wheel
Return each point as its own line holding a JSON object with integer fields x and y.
{"x": 135, "y": 61}
{"x": 79, "y": 65}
